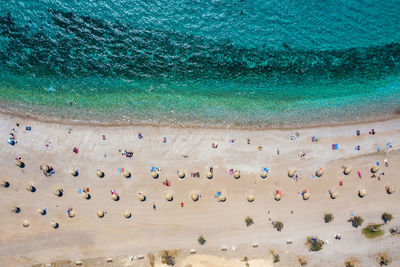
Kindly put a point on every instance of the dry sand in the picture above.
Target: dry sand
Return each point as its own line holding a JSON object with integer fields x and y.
{"x": 172, "y": 227}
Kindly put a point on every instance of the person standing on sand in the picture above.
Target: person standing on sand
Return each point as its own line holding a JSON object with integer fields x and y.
{"x": 154, "y": 206}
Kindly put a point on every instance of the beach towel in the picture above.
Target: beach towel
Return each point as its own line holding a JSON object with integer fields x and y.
{"x": 230, "y": 171}
{"x": 335, "y": 146}
{"x": 358, "y": 132}
{"x": 119, "y": 170}
{"x": 389, "y": 145}
{"x": 377, "y": 163}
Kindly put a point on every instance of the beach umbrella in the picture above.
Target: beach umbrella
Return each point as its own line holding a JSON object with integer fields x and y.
{"x": 73, "y": 172}
{"x": 100, "y": 174}
{"x": 25, "y": 223}
{"x": 127, "y": 214}
{"x": 306, "y": 196}
{"x": 71, "y": 213}
{"x": 16, "y": 209}
{"x": 277, "y": 197}
{"x": 290, "y": 173}
{"x": 222, "y": 198}
{"x": 142, "y": 197}
{"x": 334, "y": 194}
{"x": 5, "y": 183}
{"x": 390, "y": 189}
{"x": 41, "y": 211}
{"x": 18, "y": 163}
{"x": 181, "y": 174}
{"x": 195, "y": 197}
{"x": 86, "y": 195}
{"x": 100, "y": 214}
{"x": 374, "y": 169}
{"x": 54, "y": 224}
{"x": 58, "y": 192}
{"x": 169, "y": 197}
{"x": 264, "y": 174}
{"x": 347, "y": 171}
{"x": 29, "y": 187}
{"x": 319, "y": 173}
{"x": 209, "y": 175}
{"x": 127, "y": 174}
{"x": 362, "y": 193}
{"x": 236, "y": 174}
{"x": 115, "y": 197}
{"x": 45, "y": 168}
{"x": 154, "y": 174}
{"x": 250, "y": 198}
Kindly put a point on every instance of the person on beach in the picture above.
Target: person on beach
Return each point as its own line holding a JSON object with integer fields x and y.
{"x": 154, "y": 206}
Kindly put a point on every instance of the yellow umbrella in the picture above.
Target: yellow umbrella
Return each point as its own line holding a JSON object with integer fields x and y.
{"x": 209, "y": 175}
{"x": 29, "y": 187}
{"x": 250, "y": 198}
{"x": 154, "y": 174}
{"x": 142, "y": 197}
{"x": 334, "y": 194}
{"x": 374, "y": 169}
{"x": 25, "y": 223}
{"x": 42, "y": 211}
{"x": 18, "y": 163}
{"x": 5, "y": 183}
{"x": 54, "y": 224}
{"x": 195, "y": 197}
{"x": 264, "y": 174}
{"x": 58, "y": 192}
{"x": 362, "y": 193}
{"x": 73, "y": 172}
{"x": 181, "y": 174}
{"x": 169, "y": 197}
{"x": 390, "y": 189}
{"x": 115, "y": 197}
{"x": 86, "y": 195}
{"x": 319, "y": 173}
{"x": 306, "y": 196}
{"x": 16, "y": 209}
{"x": 277, "y": 197}
{"x": 100, "y": 214}
{"x": 71, "y": 213}
{"x": 236, "y": 174}
{"x": 127, "y": 174}
{"x": 347, "y": 171}
{"x": 222, "y": 198}
{"x": 100, "y": 174}
{"x": 127, "y": 214}
{"x": 290, "y": 173}
{"x": 45, "y": 168}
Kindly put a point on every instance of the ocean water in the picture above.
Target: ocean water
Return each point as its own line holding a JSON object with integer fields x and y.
{"x": 238, "y": 62}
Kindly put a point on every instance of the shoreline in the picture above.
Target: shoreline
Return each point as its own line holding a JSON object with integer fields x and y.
{"x": 62, "y": 121}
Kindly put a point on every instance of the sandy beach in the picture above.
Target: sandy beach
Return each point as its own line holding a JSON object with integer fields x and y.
{"x": 172, "y": 227}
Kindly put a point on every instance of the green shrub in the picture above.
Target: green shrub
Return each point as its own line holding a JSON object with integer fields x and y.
{"x": 314, "y": 244}
{"x": 248, "y": 221}
{"x": 201, "y": 240}
{"x": 328, "y": 217}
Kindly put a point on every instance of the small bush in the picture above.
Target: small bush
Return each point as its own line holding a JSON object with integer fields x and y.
{"x": 275, "y": 256}
{"x": 302, "y": 261}
{"x": 248, "y": 221}
{"x": 314, "y": 244}
{"x": 278, "y": 226}
{"x": 372, "y": 231}
{"x": 328, "y": 217}
{"x": 167, "y": 259}
{"x": 349, "y": 263}
{"x": 201, "y": 240}
{"x": 383, "y": 260}
{"x": 386, "y": 217}
{"x": 356, "y": 221}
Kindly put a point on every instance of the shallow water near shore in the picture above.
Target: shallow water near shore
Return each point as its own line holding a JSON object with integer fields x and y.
{"x": 242, "y": 63}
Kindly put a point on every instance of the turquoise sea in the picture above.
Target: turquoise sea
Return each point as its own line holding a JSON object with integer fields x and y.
{"x": 201, "y": 62}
